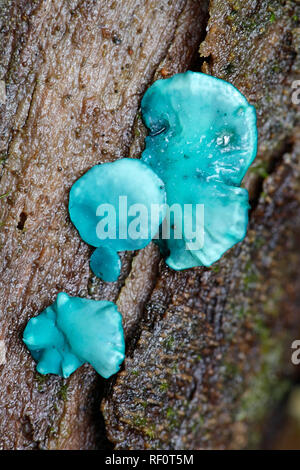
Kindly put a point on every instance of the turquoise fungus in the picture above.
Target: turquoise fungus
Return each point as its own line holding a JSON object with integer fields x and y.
{"x": 112, "y": 207}
{"x": 202, "y": 139}
{"x": 185, "y": 193}
{"x": 73, "y": 331}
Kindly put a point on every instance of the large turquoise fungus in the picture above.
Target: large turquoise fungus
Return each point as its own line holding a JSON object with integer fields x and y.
{"x": 73, "y": 331}
{"x": 112, "y": 207}
{"x": 202, "y": 139}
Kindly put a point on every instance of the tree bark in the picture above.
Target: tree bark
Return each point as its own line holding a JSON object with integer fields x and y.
{"x": 207, "y": 349}
{"x": 213, "y": 351}
{"x": 73, "y": 74}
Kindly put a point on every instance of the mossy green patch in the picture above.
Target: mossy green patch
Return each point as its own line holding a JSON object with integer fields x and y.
{"x": 63, "y": 392}
{"x": 163, "y": 386}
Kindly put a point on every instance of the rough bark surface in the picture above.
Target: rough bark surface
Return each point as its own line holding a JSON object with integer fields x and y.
{"x": 72, "y": 75}
{"x": 206, "y": 348}
{"x": 213, "y": 354}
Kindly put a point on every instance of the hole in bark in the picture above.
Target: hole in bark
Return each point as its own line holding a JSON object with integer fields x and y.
{"x": 22, "y": 220}
{"x": 198, "y": 62}
{"x": 27, "y": 428}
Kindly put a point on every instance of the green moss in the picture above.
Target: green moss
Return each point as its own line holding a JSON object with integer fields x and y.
{"x": 170, "y": 413}
{"x": 241, "y": 313}
{"x": 271, "y": 306}
{"x": 263, "y": 195}
{"x": 216, "y": 268}
{"x": 197, "y": 425}
{"x": 260, "y": 169}
{"x": 258, "y": 106}
{"x": 163, "y": 386}
{"x": 272, "y": 17}
{"x": 41, "y": 380}
{"x": 172, "y": 417}
{"x": 168, "y": 343}
{"x": 261, "y": 329}
{"x": 250, "y": 23}
{"x": 5, "y": 195}
{"x": 235, "y": 7}
{"x": 63, "y": 392}
{"x": 231, "y": 370}
{"x": 265, "y": 390}
{"x": 52, "y": 432}
{"x": 266, "y": 387}
{"x": 139, "y": 421}
{"x": 250, "y": 277}
{"x": 258, "y": 243}
{"x": 276, "y": 68}
{"x": 231, "y": 18}
{"x": 150, "y": 432}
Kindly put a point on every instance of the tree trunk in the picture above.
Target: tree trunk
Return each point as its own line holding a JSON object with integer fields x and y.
{"x": 208, "y": 350}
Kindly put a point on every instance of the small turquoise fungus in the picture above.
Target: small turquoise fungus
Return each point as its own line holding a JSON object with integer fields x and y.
{"x": 111, "y": 207}
{"x": 202, "y": 139}
{"x": 73, "y": 331}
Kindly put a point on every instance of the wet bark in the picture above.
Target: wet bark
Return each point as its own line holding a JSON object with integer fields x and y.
{"x": 72, "y": 76}
{"x": 213, "y": 351}
{"x": 207, "y": 349}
